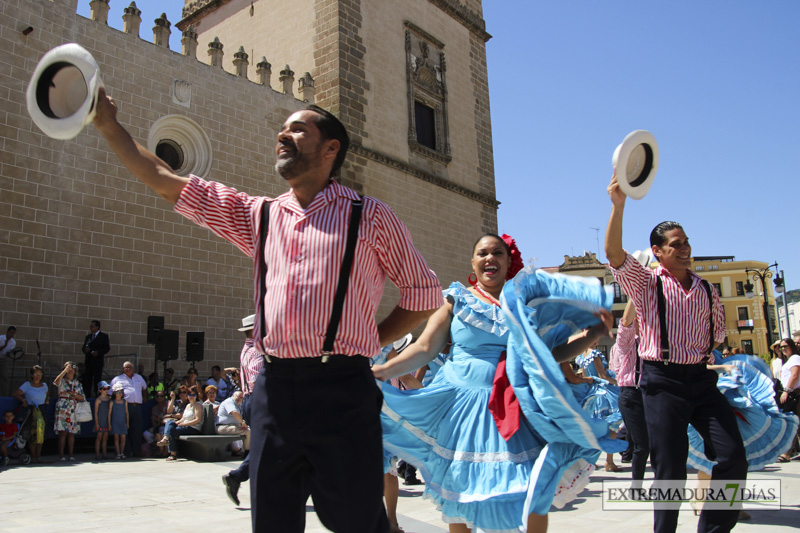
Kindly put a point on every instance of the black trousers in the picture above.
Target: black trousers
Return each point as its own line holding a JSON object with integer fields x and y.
{"x": 242, "y": 472}
{"x": 133, "y": 445}
{"x": 674, "y": 397}
{"x": 92, "y": 374}
{"x": 316, "y": 431}
{"x": 631, "y": 405}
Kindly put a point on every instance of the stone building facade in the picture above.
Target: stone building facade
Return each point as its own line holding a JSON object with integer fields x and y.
{"x": 83, "y": 240}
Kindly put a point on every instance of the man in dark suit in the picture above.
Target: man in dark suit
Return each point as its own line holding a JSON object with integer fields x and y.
{"x": 95, "y": 346}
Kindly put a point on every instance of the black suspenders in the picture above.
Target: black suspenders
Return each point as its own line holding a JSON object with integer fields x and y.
{"x": 341, "y": 286}
{"x": 344, "y": 278}
{"x": 662, "y": 318}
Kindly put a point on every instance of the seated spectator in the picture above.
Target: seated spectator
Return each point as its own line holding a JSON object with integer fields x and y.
{"x": 190, "y": 423}
{"x": 8, "y": 435}
{"x": 221, "y": 382}
{"x": 176, "y": 406}
{"x": 230, "y": 422}
{"x": 211, "y": 398}
{"x": 153, "y": 386}
{"x": 190, "y": 380}
{"x": 35, "y": 395}
{"x": 157, "y": 420}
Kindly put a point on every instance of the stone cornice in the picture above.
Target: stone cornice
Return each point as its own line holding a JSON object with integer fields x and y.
{"x": 468, "y": 18}
{"x": 196, "y": 10}
{"x": 424, "y": 176}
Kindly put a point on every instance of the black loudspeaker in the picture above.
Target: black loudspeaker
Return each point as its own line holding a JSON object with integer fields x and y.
{"x": 154, "y": 326}
{"x": 167, "y": 345}
{"x": 195, "y": 341}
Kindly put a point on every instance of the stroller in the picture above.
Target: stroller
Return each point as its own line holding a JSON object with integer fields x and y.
{"x": 16, "y": 449}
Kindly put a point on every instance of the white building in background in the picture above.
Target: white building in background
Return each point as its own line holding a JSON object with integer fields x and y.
{"x": 794, "y": 319}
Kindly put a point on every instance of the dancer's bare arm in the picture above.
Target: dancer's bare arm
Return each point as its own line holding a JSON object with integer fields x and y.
{"x": 142, "y": 163}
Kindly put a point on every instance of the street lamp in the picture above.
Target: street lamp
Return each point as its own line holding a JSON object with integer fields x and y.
{"x": 780, "y": 287}
{"x": 763, "y": 274}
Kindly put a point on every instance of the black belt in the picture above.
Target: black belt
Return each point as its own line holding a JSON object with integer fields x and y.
{"x": 303, "y": 366}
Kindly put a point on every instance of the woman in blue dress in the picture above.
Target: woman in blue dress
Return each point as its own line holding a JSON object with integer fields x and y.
{"x": 478, "y": 477}
{"x": 746, "y": 381}
{"x": 597, "y": 392}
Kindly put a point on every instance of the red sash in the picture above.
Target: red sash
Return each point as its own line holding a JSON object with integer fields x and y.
{"x": 503, "y": 403}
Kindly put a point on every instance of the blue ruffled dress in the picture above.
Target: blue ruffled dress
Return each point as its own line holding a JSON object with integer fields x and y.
{"x": 599, "y": 399}
{"x": 766, "y": 431}
{"x": 471, "y": 473}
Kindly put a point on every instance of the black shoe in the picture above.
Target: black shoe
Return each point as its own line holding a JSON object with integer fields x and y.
{"x": 231, "y": 488}
{"x": 412, "y": 481}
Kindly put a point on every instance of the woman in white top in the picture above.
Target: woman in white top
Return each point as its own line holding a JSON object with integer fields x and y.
{"x": 790, "y": 379}
{"x": 189, "y": 424}
{"x": 777, "y": 360}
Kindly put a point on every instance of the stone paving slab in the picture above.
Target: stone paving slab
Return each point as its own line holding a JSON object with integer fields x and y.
{"x": 156, "y": 495}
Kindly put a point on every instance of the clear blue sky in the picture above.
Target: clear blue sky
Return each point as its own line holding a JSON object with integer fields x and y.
{"x": 716, "y": 81}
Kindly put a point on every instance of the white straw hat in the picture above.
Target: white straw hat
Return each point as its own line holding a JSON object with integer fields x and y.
{"x": 248, "y": 322}
{"x": 636, "y": 161}
{"x": 62, "y": 93}
{"x": 402, "y": 344}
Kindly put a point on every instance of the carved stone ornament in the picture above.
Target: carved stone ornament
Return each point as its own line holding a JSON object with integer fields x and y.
{"x": 182, "y": 93}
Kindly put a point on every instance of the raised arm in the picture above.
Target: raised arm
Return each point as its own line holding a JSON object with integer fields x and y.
{"x": 142, "y": 163}
{"x": 613, "y": 243}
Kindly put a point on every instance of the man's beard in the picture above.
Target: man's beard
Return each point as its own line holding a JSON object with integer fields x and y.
{"x": 295, "y": 164}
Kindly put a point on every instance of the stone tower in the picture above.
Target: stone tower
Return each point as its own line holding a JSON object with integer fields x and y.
{"x": 409, "y": 80}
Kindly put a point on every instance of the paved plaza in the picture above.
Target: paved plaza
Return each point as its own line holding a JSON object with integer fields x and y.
{"x": 155, "y": 495}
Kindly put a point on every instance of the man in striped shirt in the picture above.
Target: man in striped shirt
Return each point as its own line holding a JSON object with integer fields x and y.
{"x": 250, "y": 364}
{"x": 315, "y": 417}
{"x": 678, "y": 388}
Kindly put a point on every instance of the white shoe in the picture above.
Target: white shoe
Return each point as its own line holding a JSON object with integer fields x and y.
{"x": 71, "y": 458}
{"x": 62, "y": 459}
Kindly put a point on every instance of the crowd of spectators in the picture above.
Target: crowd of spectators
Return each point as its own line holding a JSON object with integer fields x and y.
{"x": 117, "y": 411}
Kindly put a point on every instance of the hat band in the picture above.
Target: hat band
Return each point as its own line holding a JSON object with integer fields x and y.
{"x": 648, "y": 165}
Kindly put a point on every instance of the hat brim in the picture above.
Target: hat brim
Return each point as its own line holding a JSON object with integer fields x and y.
{"x": 644, "y": 257}
{"x": 62, "y": 93}
{"x": 402, "y": 344}
{"x": 246, "y": 328}
{"x": 636, "y": 161}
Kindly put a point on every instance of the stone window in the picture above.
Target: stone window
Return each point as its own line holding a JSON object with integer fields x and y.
{"x": 182, "y": 144}
{"x": 171, "y": 153}
{"x": 427, "y": 95}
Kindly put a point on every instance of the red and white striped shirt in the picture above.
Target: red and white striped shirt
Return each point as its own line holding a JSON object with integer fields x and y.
{"x": 687, "y": 313}
{"x": 622, "y": 359}
{"x": 303, "y": 254}
{"x": 250, "y": 364}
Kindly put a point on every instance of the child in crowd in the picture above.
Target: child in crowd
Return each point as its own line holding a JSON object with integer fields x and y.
{"x": 118, "y": 420}
{"x": 8, "y": 434}
{"x": 101, "y": 421}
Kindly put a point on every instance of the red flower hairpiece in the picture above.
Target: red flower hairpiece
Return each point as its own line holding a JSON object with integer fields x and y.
{"x": 516, "y": 263}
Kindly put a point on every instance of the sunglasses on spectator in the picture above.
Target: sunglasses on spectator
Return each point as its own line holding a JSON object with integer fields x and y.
{"x": 190, "y": 395}
{"x": 784, "y": 346}
{"x": 103, "y": 388}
